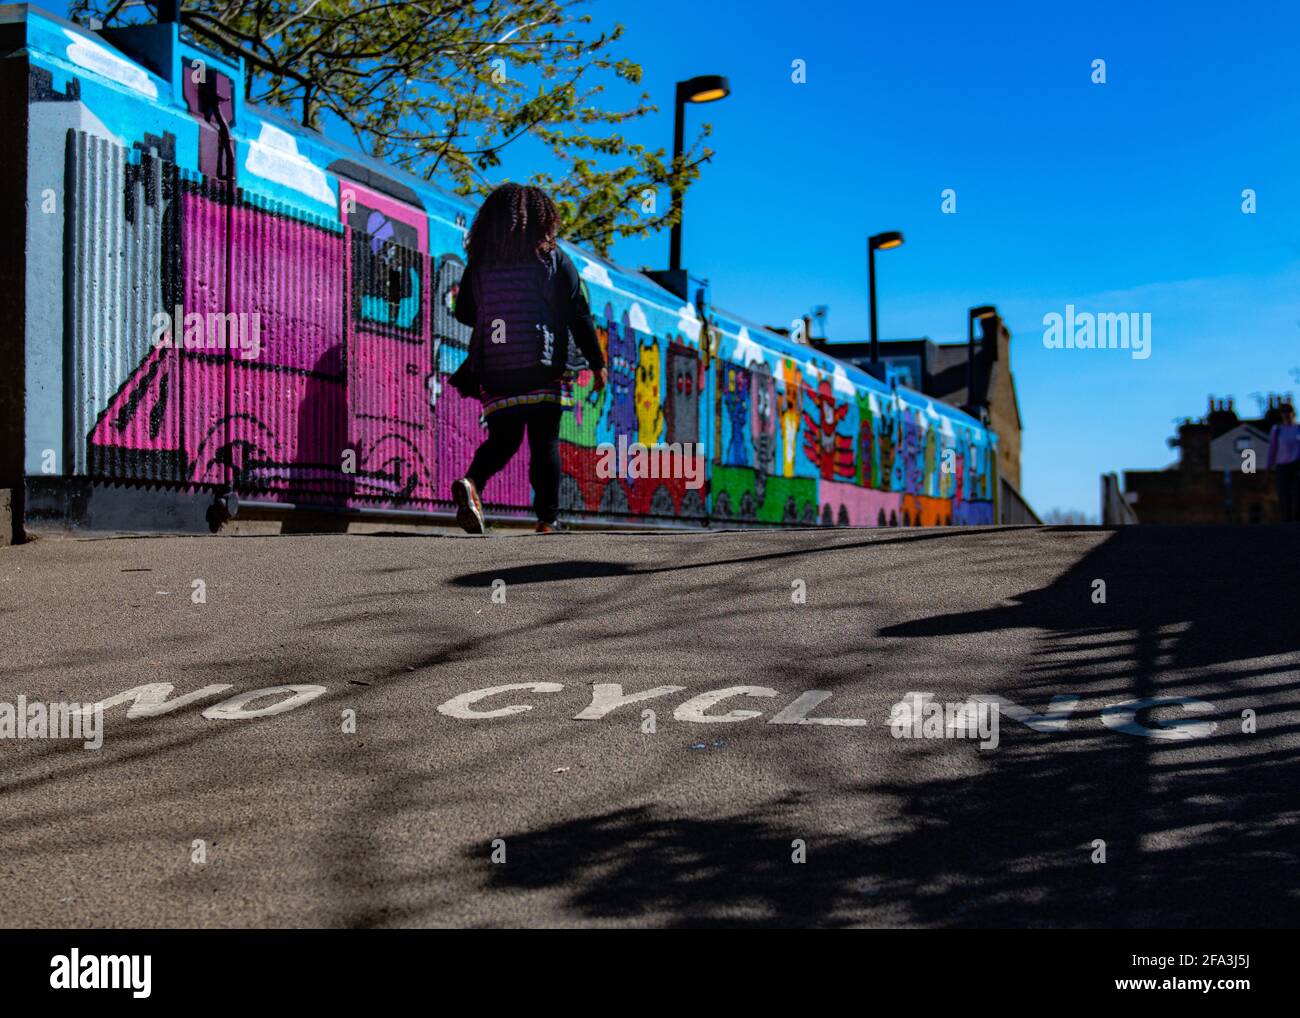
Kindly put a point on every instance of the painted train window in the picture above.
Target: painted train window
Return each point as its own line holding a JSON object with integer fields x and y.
{"x": 387, "y": 274}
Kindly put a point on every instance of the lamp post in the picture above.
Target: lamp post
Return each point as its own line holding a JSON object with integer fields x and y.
{"x": 982, "y": 311}
{"x": 878, "y": 242}
{"x": 706, "y": 88}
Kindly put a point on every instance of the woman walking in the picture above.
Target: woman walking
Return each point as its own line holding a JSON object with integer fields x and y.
{"x": 523, "y": 297}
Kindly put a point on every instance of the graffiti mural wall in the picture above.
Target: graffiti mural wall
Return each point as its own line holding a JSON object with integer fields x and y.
{"x": 241, "y": 304}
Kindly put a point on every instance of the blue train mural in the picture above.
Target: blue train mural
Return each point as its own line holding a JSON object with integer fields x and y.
{"x": 159, "y": 200}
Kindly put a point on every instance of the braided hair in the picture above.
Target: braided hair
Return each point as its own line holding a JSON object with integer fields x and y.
{"x": 516, "y": 222}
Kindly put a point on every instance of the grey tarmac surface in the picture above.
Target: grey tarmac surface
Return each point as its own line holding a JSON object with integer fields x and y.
{"x": 607, "y": 825}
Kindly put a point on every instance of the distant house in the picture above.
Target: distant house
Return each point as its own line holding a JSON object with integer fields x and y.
{"x": 941, "y": 370}
{"x": 1226, "y": 450}
{"x": 1216, "y": 478}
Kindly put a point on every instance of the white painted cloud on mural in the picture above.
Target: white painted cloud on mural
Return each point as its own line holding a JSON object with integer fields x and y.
{"x": 87, "y": 53}
{"x": 746, "y": 351}
{"x": 596, "y": 273}
{"x": 688, "y": 322}
{"x": 273, "y": 154}
{"x": 636, "y": 318}
{"x": 840, "y": 382}
{"x": 930, "y": 417}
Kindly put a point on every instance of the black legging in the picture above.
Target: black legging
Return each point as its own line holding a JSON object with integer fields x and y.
{"x": 505, "y": 432}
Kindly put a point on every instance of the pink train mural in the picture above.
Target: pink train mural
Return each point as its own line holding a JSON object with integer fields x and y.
{"x": 328, "y": 396}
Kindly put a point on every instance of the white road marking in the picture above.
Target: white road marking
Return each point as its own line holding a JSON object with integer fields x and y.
{"x": 797, "y": 713}
{"x": 693, "y": 709}
{"x": 608, "y": 696}
{"x": 234, "y": 709}
{"x": 1056, "y": 717}
{"x": 460, "y": 706}
{"x": 1122, "y": 717}
{"x": 150, "y": 700}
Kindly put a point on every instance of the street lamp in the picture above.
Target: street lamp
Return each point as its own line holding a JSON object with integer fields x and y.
{"x": 982, "y": 311}
{"x": 880, "y": 242}
{"x": 706, "y": 88}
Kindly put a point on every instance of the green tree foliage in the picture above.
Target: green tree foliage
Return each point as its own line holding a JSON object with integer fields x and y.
{"x": 441, "y": 88}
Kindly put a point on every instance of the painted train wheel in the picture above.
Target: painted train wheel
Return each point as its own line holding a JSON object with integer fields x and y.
{"x": 235, "y": 450}
{"x": 661, "y": 503}
{"x": 392, "y": 470}
{"x": 748, "y": 508}
{"x": 613, "y": 500}
{"x": 570, "y": 494}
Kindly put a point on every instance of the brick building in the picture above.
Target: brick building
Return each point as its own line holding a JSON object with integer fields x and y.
{"x": 1211, "y": 482}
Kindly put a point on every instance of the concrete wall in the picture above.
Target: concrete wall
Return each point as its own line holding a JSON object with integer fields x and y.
{"x": 347, "y": 271}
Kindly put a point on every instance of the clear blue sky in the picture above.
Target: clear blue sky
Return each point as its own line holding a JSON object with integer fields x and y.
{"x": 1122, "y": 197}
{"x": 1117, "y": 197}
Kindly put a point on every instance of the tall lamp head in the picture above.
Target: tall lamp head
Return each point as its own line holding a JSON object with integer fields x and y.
{"x": 705, "y": 88}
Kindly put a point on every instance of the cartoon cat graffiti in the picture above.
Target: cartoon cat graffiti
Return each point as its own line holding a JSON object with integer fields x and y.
{"x": 735, "y": 405}
{"x": 683, "y": 414}
{"x": 887, "y": 444}
{"x": 762, "y": 424}
{"x": 830, "y": 451}
{"x": 791, "y": 413}
{"x": 649, "y": 403}
{"x": 622, "y": 376}
{"x": 931, "y": 476}
{"x": 911, "y": 452}
{"x": 579, "y": 425}
{"x": 868, "y": 470}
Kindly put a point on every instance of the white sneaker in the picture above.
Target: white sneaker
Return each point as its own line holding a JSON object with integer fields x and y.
{"x": 469, "y": 510}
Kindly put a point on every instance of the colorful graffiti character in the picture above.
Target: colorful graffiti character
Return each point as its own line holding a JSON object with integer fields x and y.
{"x": 868, "y": 475}
{"x": 791, "y": 413}
{"x": 735, "y": 405}
{"x": 683, "y": 395}
{"x": 622, "y": 376}
{"x": 649, "y": 408}
{"x": 830, "y": 451}
{"x": 580, "y": 424}
{"x": 762, "y": 421}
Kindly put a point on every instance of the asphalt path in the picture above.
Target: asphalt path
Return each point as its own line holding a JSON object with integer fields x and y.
{"x": 378, "y": 793}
